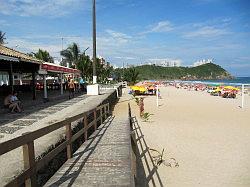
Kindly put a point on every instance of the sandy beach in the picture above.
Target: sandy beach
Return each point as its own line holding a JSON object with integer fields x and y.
{"x": 208, "y": 136}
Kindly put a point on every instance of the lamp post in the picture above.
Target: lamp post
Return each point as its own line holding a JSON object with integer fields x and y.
{"x": 94, "y": 43}
{"x": 85, "y": 51}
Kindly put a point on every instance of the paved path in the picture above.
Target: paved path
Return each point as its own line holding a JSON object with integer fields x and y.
{"x": 103, "y": 160}
{"x": 12, "y": 122}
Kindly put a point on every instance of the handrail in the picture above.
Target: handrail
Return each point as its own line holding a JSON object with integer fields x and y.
{"x": 31, "y": 166}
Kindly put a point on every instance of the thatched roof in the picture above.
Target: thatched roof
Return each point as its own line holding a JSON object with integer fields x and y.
{"x": 16, "y": 54}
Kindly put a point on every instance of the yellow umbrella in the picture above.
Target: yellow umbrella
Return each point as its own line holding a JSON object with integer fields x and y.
{"x": 231, "y": 88}
{"x": 134, "y": 87}
{"x": 142, "y": 89}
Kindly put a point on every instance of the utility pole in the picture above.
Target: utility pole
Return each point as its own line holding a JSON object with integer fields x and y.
{"x": 94, "y": 44}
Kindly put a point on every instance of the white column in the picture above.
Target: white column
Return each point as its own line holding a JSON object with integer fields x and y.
{"x": 94, "y": 79}
{"x": 61, "y": 77}
{"x": 20, "y": 79}
{"x": 45, "y": 87}
{"x": 242, "y": 96}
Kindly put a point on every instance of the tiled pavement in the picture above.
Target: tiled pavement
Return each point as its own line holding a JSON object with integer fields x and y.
{"x": 10, "y": 123}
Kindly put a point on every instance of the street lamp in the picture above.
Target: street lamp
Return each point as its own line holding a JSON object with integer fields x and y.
{"x": 94, "y": 43}
{"x": 85, "y": 51}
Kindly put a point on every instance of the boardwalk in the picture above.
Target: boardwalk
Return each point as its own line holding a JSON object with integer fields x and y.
{"x": 104, "y": 160}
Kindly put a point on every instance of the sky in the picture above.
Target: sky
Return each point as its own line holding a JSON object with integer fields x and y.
{"x": 135, "y": 31}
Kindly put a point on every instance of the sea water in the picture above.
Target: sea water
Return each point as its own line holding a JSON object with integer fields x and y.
{"x": 237, "y": 81}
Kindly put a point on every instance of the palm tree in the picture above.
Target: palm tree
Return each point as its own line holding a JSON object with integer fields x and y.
{"x": 2, "y": 37}
{"x": 84, "y": 64}
{"x": 71, "y": 54}
{"x": 131, "y": 75}
{"x": 44, "y": 55}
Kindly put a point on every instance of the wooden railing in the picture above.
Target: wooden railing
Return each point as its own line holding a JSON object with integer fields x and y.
{"x": 31, "y": 166}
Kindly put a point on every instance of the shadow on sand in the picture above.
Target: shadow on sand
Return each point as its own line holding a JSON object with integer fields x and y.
{"x": 146, "y": 170}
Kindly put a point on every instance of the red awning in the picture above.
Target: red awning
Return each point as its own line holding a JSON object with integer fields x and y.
{"x": 57, "y": 68}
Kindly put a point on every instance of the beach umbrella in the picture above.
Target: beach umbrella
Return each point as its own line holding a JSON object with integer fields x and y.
{"x": 231, "y": 88}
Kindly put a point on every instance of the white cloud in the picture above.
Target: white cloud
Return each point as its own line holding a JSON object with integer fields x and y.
{"x": 55, "y": 8}
{"x": 163, "y": 59}
{"x": 160, "y": 27}
{"x": 126, "y": 58}
{"x": 118, "y": 36}
{"x": 206, "y": 31}
{"x": 27, "y": 46}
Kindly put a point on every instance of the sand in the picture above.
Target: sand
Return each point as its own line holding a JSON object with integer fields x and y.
{"x": 208, "y": 136}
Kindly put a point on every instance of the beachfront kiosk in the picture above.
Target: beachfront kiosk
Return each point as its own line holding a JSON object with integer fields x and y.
{"x": 46, "y": 67}
{"x": 14, "y": 63}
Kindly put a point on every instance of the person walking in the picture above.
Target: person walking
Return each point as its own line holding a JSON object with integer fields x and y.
{"x": 71, "y": 88}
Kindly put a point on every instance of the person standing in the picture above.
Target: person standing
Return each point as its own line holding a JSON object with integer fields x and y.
{"x": 71, "y": 88}
{"x": 141, "y": 105}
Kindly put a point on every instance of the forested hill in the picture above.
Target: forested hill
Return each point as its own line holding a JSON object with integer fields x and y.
{"x": 205, "y": 71}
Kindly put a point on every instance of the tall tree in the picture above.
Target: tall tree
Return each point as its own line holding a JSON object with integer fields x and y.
{"x": 44, "y": 55}
{"x": 84, "y": 64}
{"x": 2, "y": 37}
{"x": 71, "y": 54}
{"x": 131, "y": 75}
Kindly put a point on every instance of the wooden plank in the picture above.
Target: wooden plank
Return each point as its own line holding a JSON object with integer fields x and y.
{"x": 85, "y": 123}
{"x": 98, "y": 119}
{"x": 68, "y": 138}
{"x": 108, "y": 109}
{"x": 101, "y": 115}
{"x": 41, "y": 163}
{"x": 29, "y": 162}
{"x": 77, "y": 135}
{"x": 95, "y": 122}
{"x": 24, "y": 139}
{"x": 90, "y": 124}
{"x": 21, "y": 178}
{"x": 105, "y": 115}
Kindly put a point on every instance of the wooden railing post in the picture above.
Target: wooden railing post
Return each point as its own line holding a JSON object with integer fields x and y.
{"x": 108, "y": 109}
{"x": 29, "y": 162}
{"x": 95, "y": 122}
{"x": 105, "y": 110}
{"x": 101, "y": 115}
{"x": 68, "y": 138}
{"x": 85, "y": 127}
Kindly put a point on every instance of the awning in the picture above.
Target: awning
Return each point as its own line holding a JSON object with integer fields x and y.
{"x": 8, "y": 58}
{"x": 57, "y": 68}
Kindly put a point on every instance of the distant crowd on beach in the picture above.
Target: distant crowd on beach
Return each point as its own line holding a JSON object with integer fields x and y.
{"x": 225, "y": 91}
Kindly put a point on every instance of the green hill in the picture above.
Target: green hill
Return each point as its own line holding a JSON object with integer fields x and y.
{"x": 206, "y": 71}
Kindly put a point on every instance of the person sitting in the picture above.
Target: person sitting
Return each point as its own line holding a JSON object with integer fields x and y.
{"x": 13, "y": 106}
{"x": 14, "y": 99}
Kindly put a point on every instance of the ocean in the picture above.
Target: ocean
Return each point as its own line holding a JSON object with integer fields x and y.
{"x": 236, "y": 81}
